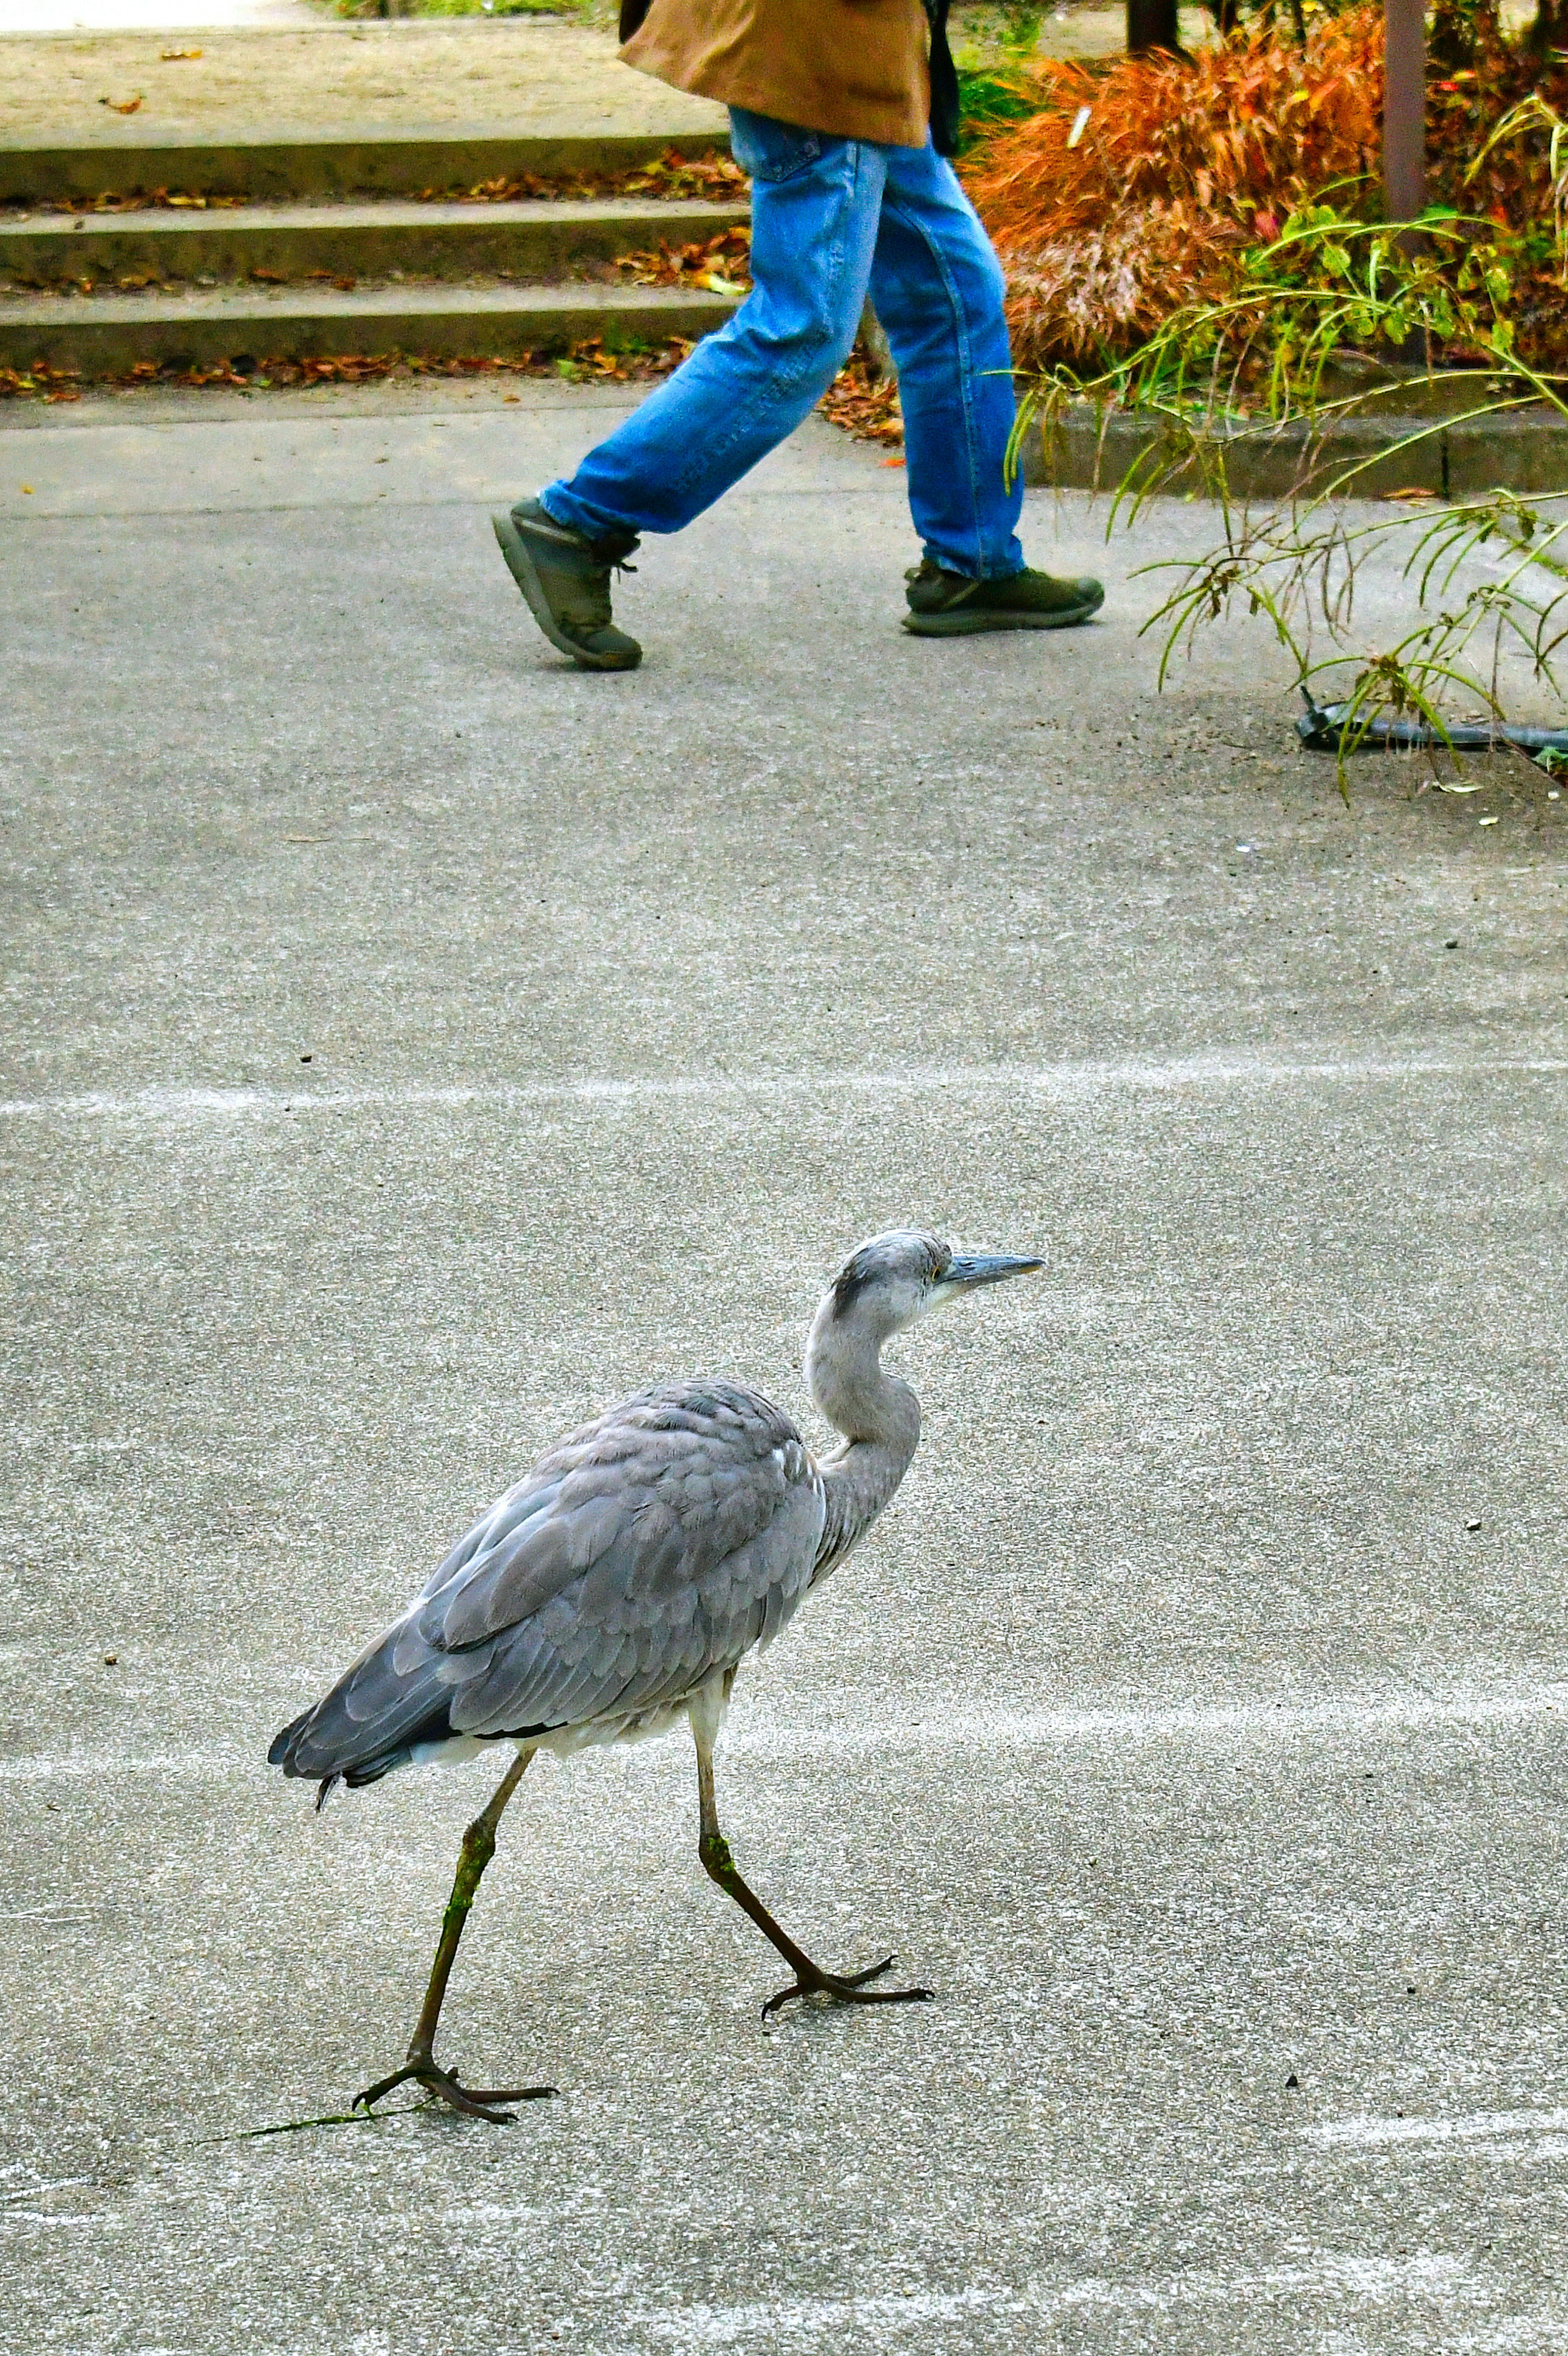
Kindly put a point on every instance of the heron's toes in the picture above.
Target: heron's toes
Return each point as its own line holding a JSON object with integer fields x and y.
{"x": 470, "y": 2101}
{"x": 443, "y": 2084}
{"x": 859, "y": 1979}
{"x": 371, "y": 2095}
{"x": 850, "y": 1989}
{"x": 508, "y": 2093}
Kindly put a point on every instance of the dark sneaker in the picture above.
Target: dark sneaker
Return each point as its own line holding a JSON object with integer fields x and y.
{"x": 566, "y": 580}
{"x": 949, "y": 606}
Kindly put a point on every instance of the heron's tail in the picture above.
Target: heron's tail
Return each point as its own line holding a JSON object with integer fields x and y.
{"x": 391, "y": 1707}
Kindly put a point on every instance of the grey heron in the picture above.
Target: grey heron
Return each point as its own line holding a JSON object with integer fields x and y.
{"x": 617, "y": 1587}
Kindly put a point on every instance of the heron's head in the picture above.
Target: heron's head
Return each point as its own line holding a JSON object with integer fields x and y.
{"x": 884, "y": 1285}
{"x": 889, "y": 1280}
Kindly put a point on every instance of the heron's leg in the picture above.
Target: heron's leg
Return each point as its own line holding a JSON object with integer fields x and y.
{"x": 478, "y": 1848}
{"x": 810, "y": 1979}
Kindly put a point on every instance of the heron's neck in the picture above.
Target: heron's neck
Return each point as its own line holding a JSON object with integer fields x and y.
{"x": 879, "y": 1415}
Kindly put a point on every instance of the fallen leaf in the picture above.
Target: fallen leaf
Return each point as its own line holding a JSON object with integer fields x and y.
{"x": 169, "y": 56}
{"x": 26, "y": 490}
{"x": 510, "y": 400}
{"x": 346, "y": 285}
{"x": 272, "y": 278}
{"x": 890, "y": 462}
{"x": 1486, "y": 822}
{"x": 1412, "y": 494}
{"x": 121, "y": 106}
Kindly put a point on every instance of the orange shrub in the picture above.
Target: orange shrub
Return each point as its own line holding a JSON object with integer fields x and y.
{"x": 1178, "y": 169}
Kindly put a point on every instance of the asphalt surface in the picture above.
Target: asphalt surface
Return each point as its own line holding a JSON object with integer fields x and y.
{"x": 411, "y": 1043}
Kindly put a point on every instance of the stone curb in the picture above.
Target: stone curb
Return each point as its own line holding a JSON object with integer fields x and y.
{"x": 1527, "y": 452}
{"x": 274, "y": 167}
{"x": 107, "y": 336}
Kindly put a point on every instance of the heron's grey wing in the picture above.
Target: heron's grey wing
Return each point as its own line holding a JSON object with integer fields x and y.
{"x": 627, "y": 1636}
{"x": 659, "y": 1542}
{"x": 685, "y": 1530}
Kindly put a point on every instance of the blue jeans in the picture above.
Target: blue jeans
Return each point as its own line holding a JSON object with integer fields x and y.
{"x": 831, "y": 220}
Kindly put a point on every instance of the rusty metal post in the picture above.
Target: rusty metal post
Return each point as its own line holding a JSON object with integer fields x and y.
{"x": 1404, "y": 109}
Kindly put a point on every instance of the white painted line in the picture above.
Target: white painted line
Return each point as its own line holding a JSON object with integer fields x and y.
{"x": 869, "y": 2321}
{"x": 1053, "y": 1080}
{"x": 1355, "y": 1716}
{"x": 1374, "y": 2134}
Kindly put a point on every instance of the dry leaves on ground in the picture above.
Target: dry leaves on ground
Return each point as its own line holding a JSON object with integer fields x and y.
{"x": 721, "y": 264}
{"x": 592, "y": 359}
{"x": 671, "y": 174}
{"x": 38, "y": 383}
{"x": 864, "y": 402}
{"x": 140, "y": 200}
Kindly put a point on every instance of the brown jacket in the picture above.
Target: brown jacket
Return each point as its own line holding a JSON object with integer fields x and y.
{"x": 854, "y": 67}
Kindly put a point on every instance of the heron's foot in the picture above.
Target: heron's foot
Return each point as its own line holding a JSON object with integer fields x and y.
{"x": 854, "y": 1989}
{"x": 472, "y": 2102}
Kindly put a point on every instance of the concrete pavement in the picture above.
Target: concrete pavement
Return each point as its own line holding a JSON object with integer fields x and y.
{"x": 411, "y": 1043}
{"x": 56, "y": 16}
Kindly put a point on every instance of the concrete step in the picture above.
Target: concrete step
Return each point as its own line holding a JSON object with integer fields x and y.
{"x": 109, "y": 335}
{"x": 273, "y": 168}
{"x": 537, "y": 239}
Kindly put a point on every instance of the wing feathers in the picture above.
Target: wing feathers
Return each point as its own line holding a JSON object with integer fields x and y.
{"x": 638, "y": 1554}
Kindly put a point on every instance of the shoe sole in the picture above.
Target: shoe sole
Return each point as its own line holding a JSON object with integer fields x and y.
{"x": 971, "y": 625}
{"x": 524, "y": 572}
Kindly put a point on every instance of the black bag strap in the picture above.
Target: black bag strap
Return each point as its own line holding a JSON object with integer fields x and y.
{"x": 945, "y": 107}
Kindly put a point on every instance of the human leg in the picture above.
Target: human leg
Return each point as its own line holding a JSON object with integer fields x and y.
{"x": 815, "y": 206}
{"x": 938, "y": 290}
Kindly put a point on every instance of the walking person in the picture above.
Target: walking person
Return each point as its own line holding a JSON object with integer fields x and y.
{"x": 843, "y": 111}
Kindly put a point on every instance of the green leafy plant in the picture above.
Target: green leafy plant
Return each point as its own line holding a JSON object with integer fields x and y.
{"x": 1302, "y": 346}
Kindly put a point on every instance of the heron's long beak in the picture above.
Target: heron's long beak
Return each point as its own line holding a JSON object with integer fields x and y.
{"x": 981, "y": 1267}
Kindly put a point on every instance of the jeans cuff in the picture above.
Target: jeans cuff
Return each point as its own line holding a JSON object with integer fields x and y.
{"x": 561, "y": 505}
{"x": 1006, "y": 568}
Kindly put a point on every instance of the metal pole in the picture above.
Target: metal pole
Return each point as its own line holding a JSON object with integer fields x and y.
{"x": 1152, "y": 24}
{"x": 1404, "y": 109}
